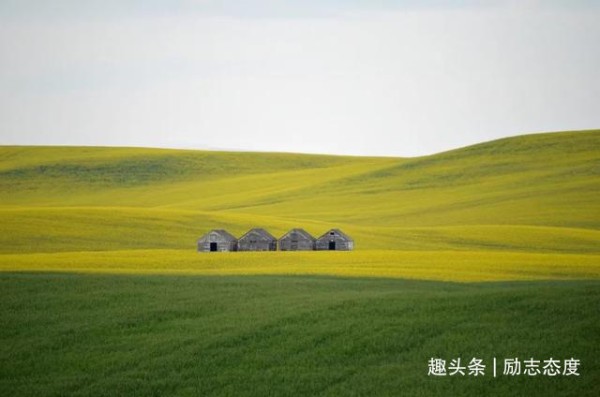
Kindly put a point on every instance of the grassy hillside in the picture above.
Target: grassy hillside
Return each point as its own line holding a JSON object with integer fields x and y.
{"x": 103, "y": 294}
{"x": 528, "y": 193}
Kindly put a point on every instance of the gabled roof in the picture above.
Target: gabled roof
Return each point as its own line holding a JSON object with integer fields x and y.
{"x": 223, "y": 233}
{"x": 261, "y": 232}
{"x": 337, "y": 231}
{"x": 301, "y": 232}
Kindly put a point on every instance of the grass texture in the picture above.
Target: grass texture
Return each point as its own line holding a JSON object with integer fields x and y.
{"x": 487, "y": 251}
{"x": 107, "y": 335}
{"x": 507, "y": 203}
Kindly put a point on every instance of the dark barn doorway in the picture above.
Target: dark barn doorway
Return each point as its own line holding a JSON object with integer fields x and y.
{"x": 332, "y": 246}
{"x": 213, "y": 247}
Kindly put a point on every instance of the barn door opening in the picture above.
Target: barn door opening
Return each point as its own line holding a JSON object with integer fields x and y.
{"x": 332, "y": 246}
{"x": 213, "y": 247}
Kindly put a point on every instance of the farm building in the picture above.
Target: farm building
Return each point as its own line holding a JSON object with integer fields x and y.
{"x": 297, "y": 240}
{"x": 257, "y": 239}
{"x": 216, "y": 241}
{"x": 335, "y": 240}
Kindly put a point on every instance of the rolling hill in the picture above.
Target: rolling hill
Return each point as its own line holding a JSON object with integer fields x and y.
{"x": 489, "y": 251}
{"x": 534, "y": 194}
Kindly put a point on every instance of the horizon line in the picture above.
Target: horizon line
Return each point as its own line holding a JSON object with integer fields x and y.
{"x": 239, "y": 150}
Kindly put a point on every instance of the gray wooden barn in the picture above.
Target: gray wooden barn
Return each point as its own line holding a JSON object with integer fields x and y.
{"x": 335, "y": 240}
{"x": 297, "y": 240}
{"x": 217, "y": 240}
{"x": 257, "y": 239}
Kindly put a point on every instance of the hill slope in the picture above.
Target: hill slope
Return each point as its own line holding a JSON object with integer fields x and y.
{"x": 95, "y": 226}
{"x": 533, "y": 193}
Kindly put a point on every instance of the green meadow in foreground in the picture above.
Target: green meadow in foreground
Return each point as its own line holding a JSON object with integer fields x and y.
{"x": 492, "y": 250}
{"x": 103, "y": 335}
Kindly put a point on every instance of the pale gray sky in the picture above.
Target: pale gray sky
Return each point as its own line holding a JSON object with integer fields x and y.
{"x": 385, "y": 77}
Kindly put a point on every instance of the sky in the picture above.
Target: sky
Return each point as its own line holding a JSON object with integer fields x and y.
{"x": 360, "y": 77}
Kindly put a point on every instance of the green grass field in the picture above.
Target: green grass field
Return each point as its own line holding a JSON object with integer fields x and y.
{"x": 264, "y": 335}
{"x": 491, "y": 250}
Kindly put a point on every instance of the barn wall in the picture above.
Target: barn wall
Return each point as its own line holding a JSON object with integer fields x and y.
{"x": 223, "y": 243}
{"x": 257, "y": 245}
{"x": 341, "y": 243}
{"x": 304, "y": 244}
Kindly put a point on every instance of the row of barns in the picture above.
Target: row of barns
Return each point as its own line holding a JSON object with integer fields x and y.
{"x": 259, "y": 239}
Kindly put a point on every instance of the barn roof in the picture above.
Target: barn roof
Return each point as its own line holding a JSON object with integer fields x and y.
{"x": 223, "y": 233}
{"x": 301, "y": 232}
{"x": 338, "y": 231}
{"x": 260, "y": 231}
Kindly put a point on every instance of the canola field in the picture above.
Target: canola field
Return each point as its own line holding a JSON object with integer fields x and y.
{"x": 517, "y": 208}
{"x": 458, "y": 266}
{"x": 490, "y": 251}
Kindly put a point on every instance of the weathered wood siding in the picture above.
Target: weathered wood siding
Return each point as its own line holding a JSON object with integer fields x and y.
{"x": 217, "y": 240}
{"x": 257, "y": 240}
{"x": 334, "y": 240}
{"x": 297, "y": 240}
